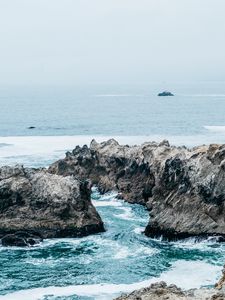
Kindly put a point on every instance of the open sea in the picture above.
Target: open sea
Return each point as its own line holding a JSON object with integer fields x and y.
{"x": 122, "y": 259}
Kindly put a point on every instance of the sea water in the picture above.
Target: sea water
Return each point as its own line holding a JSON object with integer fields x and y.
{"x": 121, "y": 259}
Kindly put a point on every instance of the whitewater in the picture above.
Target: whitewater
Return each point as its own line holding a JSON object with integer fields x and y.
{"x": 103, "y": 266}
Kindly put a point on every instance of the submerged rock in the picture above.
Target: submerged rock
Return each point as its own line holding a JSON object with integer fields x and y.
{"x": 162, "y": 291}
{"x": 44, "y": 205}
{"x": 182, "y": 188}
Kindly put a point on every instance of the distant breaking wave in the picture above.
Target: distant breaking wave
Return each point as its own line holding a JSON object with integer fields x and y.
{"x": 202, "y": 95}
{"x": 215, "y": 128}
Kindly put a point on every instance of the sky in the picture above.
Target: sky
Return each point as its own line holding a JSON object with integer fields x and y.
{"x": 111, "y": 41}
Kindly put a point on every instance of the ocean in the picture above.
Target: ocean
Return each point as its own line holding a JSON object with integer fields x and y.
{"x": 122, "y": 259}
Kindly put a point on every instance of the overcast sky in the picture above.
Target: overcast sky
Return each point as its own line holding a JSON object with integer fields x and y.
{"x": 111, "y": 41}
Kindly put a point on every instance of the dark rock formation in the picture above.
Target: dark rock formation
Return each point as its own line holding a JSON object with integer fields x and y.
{"x": 31, "y": 127}
{"x": 165, "y": 93}
{"x": 43, "y": 205}
{"x": 21, "y": 239}
{"x": 182, "y": 188}
{"x": 160, "y": 291}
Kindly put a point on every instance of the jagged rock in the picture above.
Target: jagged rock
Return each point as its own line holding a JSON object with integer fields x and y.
{"x": 45, "y": 205}
{"x": 110, "y": 166}
{"x": 183, "y": 188}
{"x": 189, "y": 197}
{"x": 161, "y": 291}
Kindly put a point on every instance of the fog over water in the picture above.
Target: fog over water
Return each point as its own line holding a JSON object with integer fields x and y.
{"x": 113, "y": 41}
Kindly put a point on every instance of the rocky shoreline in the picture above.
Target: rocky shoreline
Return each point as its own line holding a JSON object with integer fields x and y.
{"x": 182, "y": 188}
{"x": 162, "y": 291}
{"x": 35, "y": 204}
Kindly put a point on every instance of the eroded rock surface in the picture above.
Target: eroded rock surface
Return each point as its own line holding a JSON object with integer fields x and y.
{"x": 184, "y": 189}
{"x": 161, "y": 291}
{"x": 44, "y": 205}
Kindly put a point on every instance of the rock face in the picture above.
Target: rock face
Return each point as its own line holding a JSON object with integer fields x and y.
{"x": 35, "y": 204}
{"x": 184, "y": 189}
{"x": 160, "y": 291}
{"x": 189, "y": 197}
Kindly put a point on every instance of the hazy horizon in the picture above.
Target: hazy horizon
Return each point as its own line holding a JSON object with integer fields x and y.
{"x": 109, "y": 42}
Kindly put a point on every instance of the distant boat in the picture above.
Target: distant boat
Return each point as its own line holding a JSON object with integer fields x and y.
{"x": 165, "y": 93}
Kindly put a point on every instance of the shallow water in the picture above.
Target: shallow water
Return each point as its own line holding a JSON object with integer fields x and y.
{"x": 104, "y": 265}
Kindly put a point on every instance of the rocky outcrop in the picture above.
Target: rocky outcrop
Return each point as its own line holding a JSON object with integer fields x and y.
{"x": 165, "y": 94}
{"x": 110, "y": 166}
{"x": 160, "y": 291}
{"x": 182, "y": 188}
{"x": 188, "y": 199}
{"x": 35, "y": 204}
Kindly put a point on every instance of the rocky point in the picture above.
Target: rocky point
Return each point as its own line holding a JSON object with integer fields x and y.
{"x": 182, "y": 188}
{"x": 35, "y": 204}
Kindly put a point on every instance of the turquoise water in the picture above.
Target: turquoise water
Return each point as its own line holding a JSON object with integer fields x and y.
{"x": 121, "y": 259}
{"x": 104, "y": 265}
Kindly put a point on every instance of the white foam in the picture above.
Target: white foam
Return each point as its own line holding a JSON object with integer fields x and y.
{"x": 215, "y": 128}
{"x": 185, "y": 274}
{"x": 192, "y": 243}
{"x": 122, "y": 253}
{"x": 109, "y": 196}
{"x": 126, "y": 215}
{"x": 97, "y": 203}
{"x": 139, "y": 230}
{"x": 192, "y": 274}
{"x": 202, "y": 95}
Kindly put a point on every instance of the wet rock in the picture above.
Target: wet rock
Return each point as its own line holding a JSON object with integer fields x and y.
{"x": 21, "y": 239}
{"x": 44, "y": 204}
